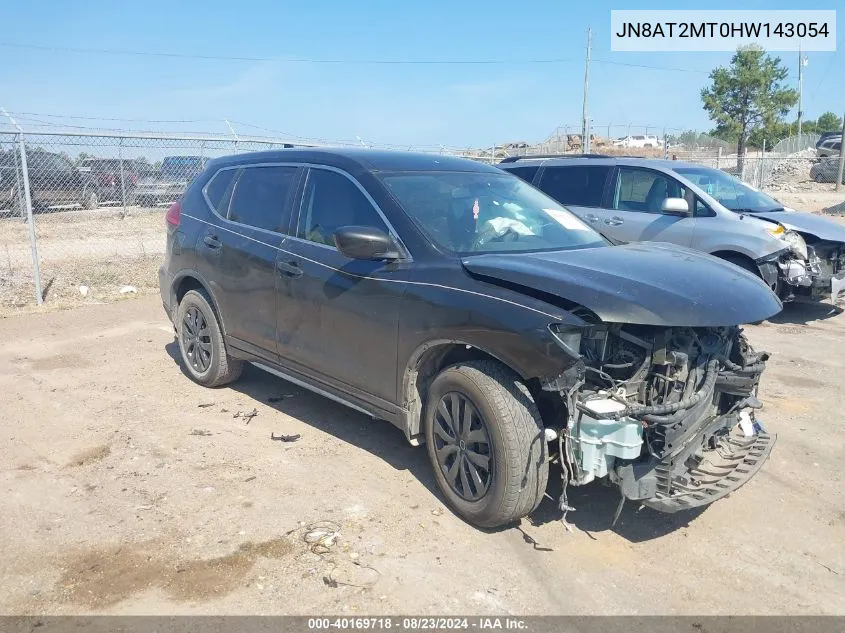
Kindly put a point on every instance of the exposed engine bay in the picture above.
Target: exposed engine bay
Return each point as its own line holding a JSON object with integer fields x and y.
{"x": 666, "y": 413}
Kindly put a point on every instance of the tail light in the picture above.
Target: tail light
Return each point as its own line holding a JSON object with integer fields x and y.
{"x": 174, "y": 214}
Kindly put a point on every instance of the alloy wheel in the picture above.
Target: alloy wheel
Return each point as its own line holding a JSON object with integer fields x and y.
{"x": 462, "y": 446}
{"x": 196, "y": 339}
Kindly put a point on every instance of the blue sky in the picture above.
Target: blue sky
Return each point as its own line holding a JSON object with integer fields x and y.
{"x": 454, "y": 104}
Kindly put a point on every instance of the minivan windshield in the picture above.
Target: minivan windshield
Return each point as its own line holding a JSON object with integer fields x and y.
{"x": 474, "y": 212}
{"x": 730, "y": 192}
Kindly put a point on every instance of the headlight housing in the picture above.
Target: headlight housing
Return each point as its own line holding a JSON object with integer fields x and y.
{"x": 796, "y": 244}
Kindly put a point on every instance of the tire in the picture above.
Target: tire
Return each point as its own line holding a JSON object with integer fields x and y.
{"x": 516, "y": 450}
{"x": 217, "y": 368}
{"x": 91, "y": 200}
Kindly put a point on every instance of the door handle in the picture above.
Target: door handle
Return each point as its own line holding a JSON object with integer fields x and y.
{"x": 211, "y": 241}
{"x": 289, "y": 269}
{"x": 614, "y": 221}
{"x": 591, "y": 218}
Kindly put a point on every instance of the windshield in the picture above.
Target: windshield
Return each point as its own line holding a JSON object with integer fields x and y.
{"x": 466, "y": 212}
{"x": 730, "y": 192}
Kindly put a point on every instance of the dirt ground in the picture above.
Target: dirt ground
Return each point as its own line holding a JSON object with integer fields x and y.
{"x": 126, "y": 488}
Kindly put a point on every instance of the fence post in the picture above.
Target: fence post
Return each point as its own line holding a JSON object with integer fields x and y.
{"x": 718, "y": 158}
{"x": 122, "y": 181}
{"x": 841, "y": 160}
{"x": 33, "y": 242}
{"x": 665, "y": 146}
{"x": 762, "y": 157}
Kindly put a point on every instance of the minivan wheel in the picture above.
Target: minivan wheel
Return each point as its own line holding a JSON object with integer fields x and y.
{"x": 201, "y": 343}
{"x": 485, "y": 442}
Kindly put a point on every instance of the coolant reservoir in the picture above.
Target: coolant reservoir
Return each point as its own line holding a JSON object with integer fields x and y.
{"x": 600, "y": 440}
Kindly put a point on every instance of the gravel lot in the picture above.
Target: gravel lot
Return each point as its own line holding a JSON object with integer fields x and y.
{"x": 126, "y": 488}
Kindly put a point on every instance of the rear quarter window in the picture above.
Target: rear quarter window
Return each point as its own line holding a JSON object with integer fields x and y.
{"x": 218, "y": 191}
{"x": 579, "y": 185}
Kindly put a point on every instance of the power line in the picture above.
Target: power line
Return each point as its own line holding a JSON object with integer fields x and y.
{"x": 312, "y": 60}
{"x": 829, "y": 65}
{"x": 297, "y": 60}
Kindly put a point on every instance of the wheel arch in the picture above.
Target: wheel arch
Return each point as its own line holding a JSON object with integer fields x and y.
{"x": 191, "y": 280}
{"x": 427, "y": 361}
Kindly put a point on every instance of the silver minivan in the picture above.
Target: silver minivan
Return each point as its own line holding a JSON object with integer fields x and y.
{"x": 800, "y": 255}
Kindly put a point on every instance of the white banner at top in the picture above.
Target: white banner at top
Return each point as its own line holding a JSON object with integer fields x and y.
{"x": 722, "y": 30}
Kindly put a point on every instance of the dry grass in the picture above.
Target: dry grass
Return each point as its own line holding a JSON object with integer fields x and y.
{"x": 103, "y": 250}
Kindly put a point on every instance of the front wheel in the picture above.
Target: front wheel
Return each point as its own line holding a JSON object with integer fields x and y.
{"x": 201, "y": 344}
{"x": 485, "y": 442}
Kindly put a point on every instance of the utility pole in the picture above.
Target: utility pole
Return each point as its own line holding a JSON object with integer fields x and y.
{"x": 585, "y": 124}
{"x": 839, "y": 172}
{"x": 801, "y": 63}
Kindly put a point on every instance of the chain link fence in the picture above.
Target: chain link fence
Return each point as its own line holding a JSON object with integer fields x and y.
{"x": 93, "y": 225}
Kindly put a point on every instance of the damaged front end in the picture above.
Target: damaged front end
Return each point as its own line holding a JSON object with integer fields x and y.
{"x": 666, "y": 413}
{"x": 808, "y": 270}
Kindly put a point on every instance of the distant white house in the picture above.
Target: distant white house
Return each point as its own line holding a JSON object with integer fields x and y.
{"x": 642, "y": 140}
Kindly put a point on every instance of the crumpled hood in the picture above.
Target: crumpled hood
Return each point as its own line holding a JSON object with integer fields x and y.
{"x": 647, "y": 284}
{"x": 804, "y": 222}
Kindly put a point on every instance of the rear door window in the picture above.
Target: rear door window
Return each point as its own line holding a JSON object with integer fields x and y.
{"x": 579, "y": 185}
{"x": 261, "y": 195}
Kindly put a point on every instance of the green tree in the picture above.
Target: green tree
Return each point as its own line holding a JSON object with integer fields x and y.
{"x": 828, "y": 122}
{"x": 748, "y": 96}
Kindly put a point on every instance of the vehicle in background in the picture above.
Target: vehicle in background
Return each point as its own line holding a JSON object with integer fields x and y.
{"x": 638, "y": 141}
{"x": 827, "y": 135}
{"x": 826, "y": 170}
{"x": 801, "y": 256}
{"x": 829, "y": 147}
{"x": 54, "y": 182}
{"x": 107, "y": 174}
{"x": 478, "y": 316}
{"x": 170, "y": 181}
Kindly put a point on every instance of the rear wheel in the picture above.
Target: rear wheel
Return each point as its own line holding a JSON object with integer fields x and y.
{"x": 201, "y": 344}
{"x": 485, "y": 442}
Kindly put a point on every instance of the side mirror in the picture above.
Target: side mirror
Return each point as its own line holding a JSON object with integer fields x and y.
{"x": 675, "y": 206}
{"x": 365, "y": 242}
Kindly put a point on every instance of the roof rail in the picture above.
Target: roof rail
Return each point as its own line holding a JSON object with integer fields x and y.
{"x": 513, "y": 159}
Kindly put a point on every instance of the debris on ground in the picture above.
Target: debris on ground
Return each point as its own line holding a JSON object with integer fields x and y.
{"x": 285, "y": 396}
{"x": 246, "y": 417}
{"x": 355, "y": 575}
{"x": 321, "y": 536}
{"x": 83, "y": 290}
{"x": 284, "y": 438}
{"x": 206, "y": 404}
{"x": 128, "y": 290}
{"x": 201, "y": 432}
{"x": 249, "y": 478}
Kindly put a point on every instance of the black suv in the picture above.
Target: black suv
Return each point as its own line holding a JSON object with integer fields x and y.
{"x": 478, "y": 316}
